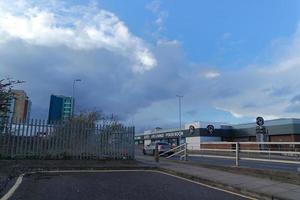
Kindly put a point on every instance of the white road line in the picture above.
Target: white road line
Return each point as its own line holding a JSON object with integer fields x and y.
{"x": 209, "y": 186}
{"x": 20, "y": 178}
{"x": 13, "y": 189}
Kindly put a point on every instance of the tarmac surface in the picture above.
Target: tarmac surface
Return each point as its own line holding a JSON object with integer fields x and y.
{"x": 122, "y": 185}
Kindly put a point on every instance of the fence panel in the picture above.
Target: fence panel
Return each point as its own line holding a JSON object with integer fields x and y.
{"x": 37, "y": 139}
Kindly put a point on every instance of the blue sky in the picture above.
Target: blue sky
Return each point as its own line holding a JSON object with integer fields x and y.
{"x": 248, "y": 27}
{"x": 232, "y": 60}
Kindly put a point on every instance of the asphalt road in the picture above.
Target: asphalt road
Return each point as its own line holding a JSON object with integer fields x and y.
{"x": 138, "y": 185}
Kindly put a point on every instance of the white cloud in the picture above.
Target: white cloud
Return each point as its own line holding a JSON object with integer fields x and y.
{"x": 84, "y": 28}
{"x": 266, "y": 90}
{"x": 160, "y": 15}
{"x": 233, "y": 113}
{"x": 55, "y": 43}
{"x": 226, "y": 35}
{"x": 167, "y": 42}
{"x": 211, "y": 74}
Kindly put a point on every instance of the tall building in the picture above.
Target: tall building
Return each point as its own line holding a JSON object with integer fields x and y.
{"x": 20, "y": 106}
{"x": 61, "y": 108}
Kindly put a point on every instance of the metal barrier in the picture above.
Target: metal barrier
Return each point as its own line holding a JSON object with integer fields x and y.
{"x": 181, "y": 149}
{"x": 36, "y": 139}
{"x": 278, "y": 152}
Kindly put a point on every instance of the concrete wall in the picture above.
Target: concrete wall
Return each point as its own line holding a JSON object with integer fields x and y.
{"x": 146, "y": 142}
{"x": 193, "y": 143}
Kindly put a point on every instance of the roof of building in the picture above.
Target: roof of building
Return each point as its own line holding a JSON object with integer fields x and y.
{"x": 61, "y": 96}
{"x": 274, "y": 122}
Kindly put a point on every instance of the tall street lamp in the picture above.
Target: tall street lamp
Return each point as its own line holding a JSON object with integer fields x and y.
{"x": 73, "y": 95}
{"x": 179, "y": 108}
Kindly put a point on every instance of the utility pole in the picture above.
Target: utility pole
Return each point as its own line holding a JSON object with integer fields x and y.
{"x": 179, "y": 108}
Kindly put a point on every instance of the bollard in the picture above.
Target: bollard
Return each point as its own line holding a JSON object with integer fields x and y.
{"x": 156, "y": 154}
{"x": 237, "y": 156}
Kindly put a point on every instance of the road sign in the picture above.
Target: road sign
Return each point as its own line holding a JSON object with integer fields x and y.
{"x": 192, "y": 129}
{"x": 260, "y": 121}
{"x": 210, "y": 128}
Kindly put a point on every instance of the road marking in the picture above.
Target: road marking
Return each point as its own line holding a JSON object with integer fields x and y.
{"x": 20, "y": 179}
{"x": 209, "y": 186}
{"x": 14, "y": 188}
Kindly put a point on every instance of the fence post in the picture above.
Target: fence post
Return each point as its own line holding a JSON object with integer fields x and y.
{"x": 156, "y": 153}
{"x": 132, "y": 142}
{"x": 237, "y": 156}
{"x": 185, "y": 152}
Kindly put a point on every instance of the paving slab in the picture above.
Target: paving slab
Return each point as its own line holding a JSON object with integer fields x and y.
{"x": 290, "y": 195}
{"x": 254, "y": 184}
{"x": 277, "y": 188}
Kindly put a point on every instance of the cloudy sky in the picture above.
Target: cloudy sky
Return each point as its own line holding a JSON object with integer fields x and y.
{"x": 231, "y": 60}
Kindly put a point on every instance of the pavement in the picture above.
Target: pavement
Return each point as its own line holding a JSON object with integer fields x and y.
{"x": 117, "y": 185}
{"x": 246, "y": 163}
{"x": 260, "y": 188}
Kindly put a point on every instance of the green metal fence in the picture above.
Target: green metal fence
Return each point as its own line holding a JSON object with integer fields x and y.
{"x": 36, "y": 139}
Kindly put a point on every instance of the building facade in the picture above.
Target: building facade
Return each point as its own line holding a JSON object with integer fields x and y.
{"x": 61, "y": 108}
{"x": 19, "y": 106}
{"x": 278, "y": 130}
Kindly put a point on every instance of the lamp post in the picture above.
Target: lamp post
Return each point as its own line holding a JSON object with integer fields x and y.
{"x": 179, "y": 108}
{"x": 73, "y": 95}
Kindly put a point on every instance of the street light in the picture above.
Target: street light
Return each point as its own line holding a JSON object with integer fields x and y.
{"x": 73, "y": 95}
{"x": 179, "y": 105}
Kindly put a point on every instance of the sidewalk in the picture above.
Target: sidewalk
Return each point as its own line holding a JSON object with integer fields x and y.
{"x": 257, "y": 187}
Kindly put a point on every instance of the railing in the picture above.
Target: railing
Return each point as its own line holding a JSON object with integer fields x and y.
{"x": 181, "y": 149}
{"x": 277, "y": 152}
{"x": 36, "y": 139}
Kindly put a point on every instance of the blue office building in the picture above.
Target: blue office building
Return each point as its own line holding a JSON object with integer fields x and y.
{"x": 61, "y": 108}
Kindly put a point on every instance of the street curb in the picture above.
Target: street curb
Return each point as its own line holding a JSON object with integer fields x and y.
{"x": 235, "y": 189}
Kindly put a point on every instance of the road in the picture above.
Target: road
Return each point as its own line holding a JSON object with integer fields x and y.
{"x": 124, "y": 185}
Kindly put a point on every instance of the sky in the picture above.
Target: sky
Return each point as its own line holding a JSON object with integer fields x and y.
{"x": 231, "y": 60}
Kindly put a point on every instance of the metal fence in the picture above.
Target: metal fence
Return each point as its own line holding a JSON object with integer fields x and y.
{"x": 277, "y": 152}
{"x": 36, "y": 139}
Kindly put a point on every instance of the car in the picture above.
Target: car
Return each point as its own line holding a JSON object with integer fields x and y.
{"x": 162, "y": 147}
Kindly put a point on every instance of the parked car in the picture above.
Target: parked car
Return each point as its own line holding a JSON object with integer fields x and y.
{"x": 162, "y": 147}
